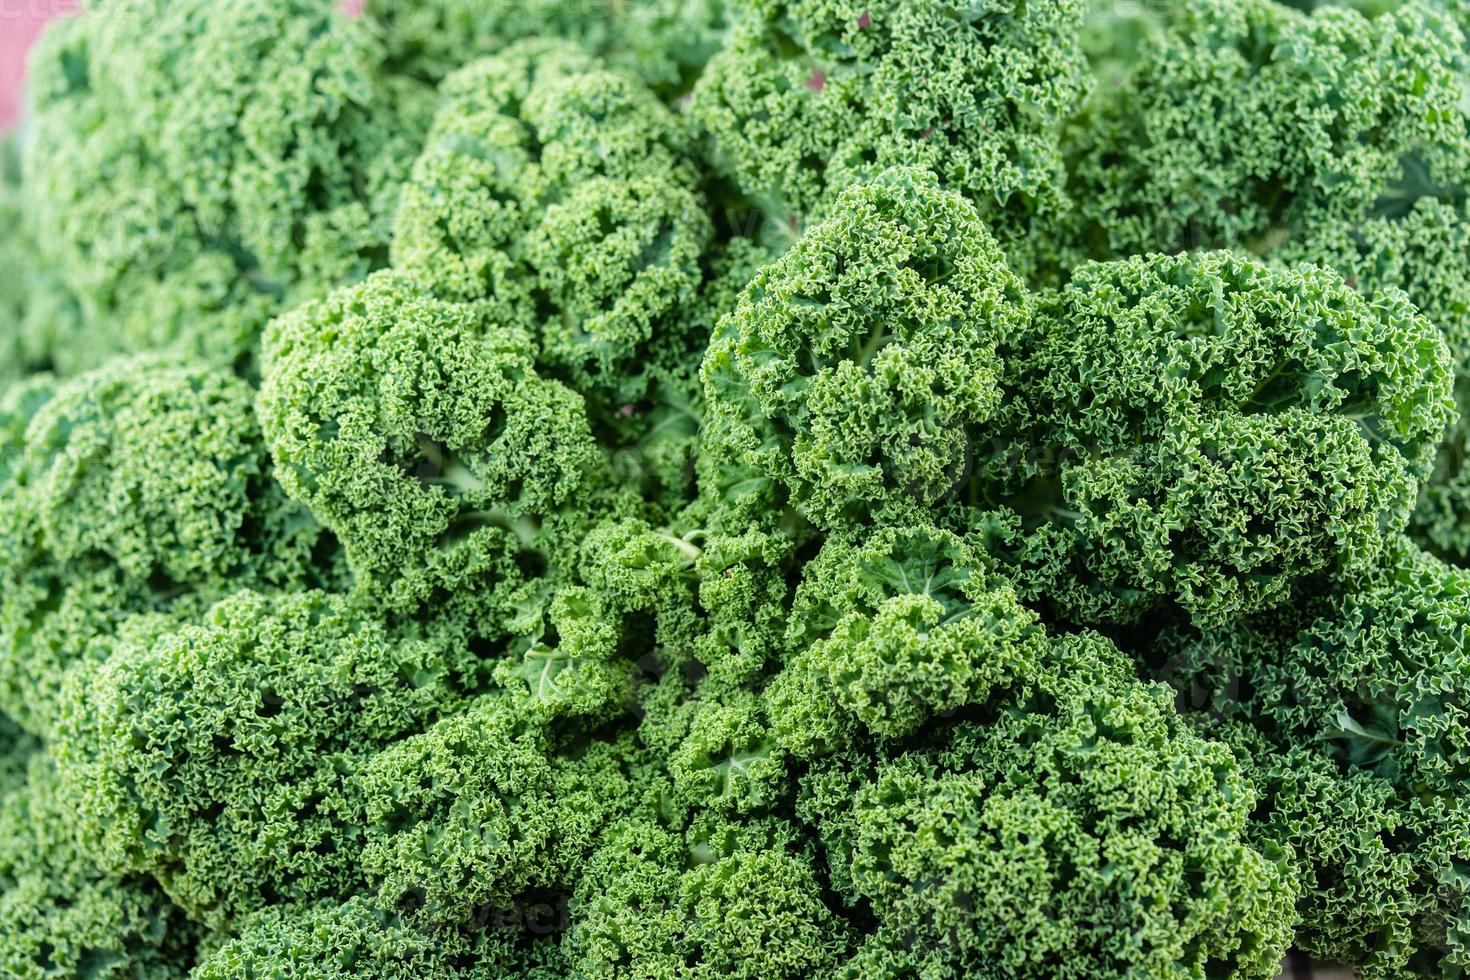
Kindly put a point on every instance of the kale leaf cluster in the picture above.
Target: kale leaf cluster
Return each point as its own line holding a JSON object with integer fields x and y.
{"x": 767, "y": 489}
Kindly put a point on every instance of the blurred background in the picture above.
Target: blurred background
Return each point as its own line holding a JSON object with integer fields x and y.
{"x": 20, "y": 22}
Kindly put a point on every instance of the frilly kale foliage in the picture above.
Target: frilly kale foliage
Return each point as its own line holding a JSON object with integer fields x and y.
{"x": 765, "y": 489}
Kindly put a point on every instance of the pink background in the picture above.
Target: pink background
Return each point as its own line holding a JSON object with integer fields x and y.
{"x": 20, "y": 22}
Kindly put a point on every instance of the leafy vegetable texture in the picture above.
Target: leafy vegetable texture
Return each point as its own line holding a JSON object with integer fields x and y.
{"x": 854, "y": 370}
{"x": 1210, "y": 430}
{"x": 807, "y": 97}
{"x": 767, "y": 489}
{"x": 196, "y": 168}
